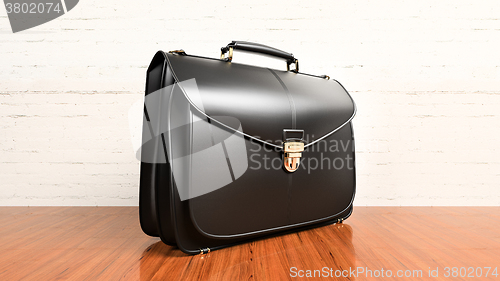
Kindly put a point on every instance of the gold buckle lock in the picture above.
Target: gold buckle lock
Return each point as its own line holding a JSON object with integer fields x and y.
{"x": 292, "y": 154}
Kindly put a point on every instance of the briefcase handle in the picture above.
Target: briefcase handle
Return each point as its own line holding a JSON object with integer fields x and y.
{"x": 258, "y": 48}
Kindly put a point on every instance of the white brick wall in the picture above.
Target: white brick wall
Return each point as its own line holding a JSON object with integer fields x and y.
{"x": 425, "y": 76}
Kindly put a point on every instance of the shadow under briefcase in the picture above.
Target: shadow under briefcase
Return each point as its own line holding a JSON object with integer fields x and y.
{"x": 233, "y": 152}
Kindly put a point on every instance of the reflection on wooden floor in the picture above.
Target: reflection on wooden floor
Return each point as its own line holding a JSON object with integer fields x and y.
{"x": 269, "y": 259}
{"x": 106, "y": 243}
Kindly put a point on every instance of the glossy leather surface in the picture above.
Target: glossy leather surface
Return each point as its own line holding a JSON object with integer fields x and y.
{"x": 267, "y": 198}
{"x": 147, "y": 197}
{"x": 266, "y": 101}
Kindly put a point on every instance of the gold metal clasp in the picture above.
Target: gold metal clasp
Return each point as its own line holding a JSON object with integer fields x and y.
{"x": 229, "y": 55}
{"x": 204, "y": 251}
{"x": 178, "y": 52}
{"x": 292, "y": 154}
{"x": 296, "y": 62}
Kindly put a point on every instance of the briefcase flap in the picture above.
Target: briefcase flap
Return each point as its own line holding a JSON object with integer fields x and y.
{"x": 265, "y": 101}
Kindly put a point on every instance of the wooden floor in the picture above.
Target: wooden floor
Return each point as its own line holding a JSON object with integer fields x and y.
{"x": 106, "y": 243}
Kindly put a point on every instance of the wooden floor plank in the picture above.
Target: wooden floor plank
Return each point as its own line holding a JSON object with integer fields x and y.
{"x": 106, "y": 243}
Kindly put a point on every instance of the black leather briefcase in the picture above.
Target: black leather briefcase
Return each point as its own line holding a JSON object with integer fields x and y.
{"x": 234, "y": 152}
